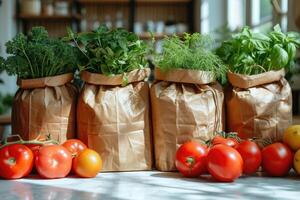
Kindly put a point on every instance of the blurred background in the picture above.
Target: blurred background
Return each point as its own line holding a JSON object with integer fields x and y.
{"x": 220, "y": 18}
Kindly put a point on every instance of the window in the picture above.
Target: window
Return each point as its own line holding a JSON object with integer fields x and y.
{"x": 204, "y": 21}
{"x": 236, "y": 13}
{"x": 261, "y": 15}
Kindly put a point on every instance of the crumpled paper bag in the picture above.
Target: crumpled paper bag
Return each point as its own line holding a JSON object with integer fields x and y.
{"x": 45, "y": 107}
{"x": 259, "y": 106}
{"x": 114, "y": 120}
{"x": 186, "y": 105}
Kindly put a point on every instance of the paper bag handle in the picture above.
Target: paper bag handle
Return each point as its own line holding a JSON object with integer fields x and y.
{"x": 217, "y": 111}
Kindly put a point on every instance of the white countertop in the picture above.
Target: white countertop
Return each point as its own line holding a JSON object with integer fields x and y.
{"x": 150, "y": 185}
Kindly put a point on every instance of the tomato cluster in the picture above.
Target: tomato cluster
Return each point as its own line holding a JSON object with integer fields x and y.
{"x": 226, "y": 159}
{"x": 49, "y": 160}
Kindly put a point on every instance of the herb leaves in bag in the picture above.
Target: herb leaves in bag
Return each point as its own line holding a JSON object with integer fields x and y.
{"x": 37, "y": 55}
{"x": 253, "y": 53}
{"x": 191, "y": 52}
{"x": 110, "y": 52}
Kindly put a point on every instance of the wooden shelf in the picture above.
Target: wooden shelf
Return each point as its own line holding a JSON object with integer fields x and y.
{"x": 48, "y": 17}
{"x": 137, "y": 10}
{"x": 137, "y": 1}
{"x": 104, "y": 1}
{"x": 163, "y": 1}
{"x": 5, "y": 120}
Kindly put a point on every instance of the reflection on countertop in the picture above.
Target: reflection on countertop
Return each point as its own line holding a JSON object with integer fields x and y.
{"x": 149, "y": 185}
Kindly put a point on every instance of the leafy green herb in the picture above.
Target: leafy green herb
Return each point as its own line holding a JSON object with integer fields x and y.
{"x": 109, "y": 52}
{"x": 253, "y": 53}
{"x": 37, "y": 55}
{"x": 193, "y": 52}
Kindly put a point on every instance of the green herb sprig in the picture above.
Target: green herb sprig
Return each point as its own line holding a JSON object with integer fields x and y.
{"x": 110, "y": 52}
{"x": 191, "y": 52}
{"x": 37, "y": 55}
{"x": 254, "y": 53}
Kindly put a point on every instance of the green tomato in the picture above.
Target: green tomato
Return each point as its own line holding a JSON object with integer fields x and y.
{"x": 279, "y": 56}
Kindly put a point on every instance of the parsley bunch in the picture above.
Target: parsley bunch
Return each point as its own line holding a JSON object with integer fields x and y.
{"x": 110, "y": 52}
{"x": 253, "y": 53}
{"x": 191, "y": 52}
{"x": 37, "y": 55}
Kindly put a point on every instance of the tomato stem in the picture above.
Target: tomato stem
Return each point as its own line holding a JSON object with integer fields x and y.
{"x": 35, "y": 141}
{"x": 11, "y": 161}
{"x": 190, "y": 161}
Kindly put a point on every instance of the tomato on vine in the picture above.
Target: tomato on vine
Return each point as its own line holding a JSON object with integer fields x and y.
{"x": 229, "y": 139}
{"x": 277, "y": 159}
{"x": 16, "y": 161}
{"x": 53, "y": 161}
{"x": 224, "y": 163}
{"x": 191, "y": 159}
{"x": 251, "y": 155}
{"x": 75, "y": 146}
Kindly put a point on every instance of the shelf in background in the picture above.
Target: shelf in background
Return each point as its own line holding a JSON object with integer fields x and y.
{"x": 137, "y": 1}
{"x": 48, "y": 17}
{"x": 104, "y": 1}
{"x": 163, "y": 1}
{"x": 5, "y": 120}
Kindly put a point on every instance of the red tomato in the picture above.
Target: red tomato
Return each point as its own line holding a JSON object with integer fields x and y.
{"x": 224, "y": 163}
{"x": 251, "y": 155}
{"x": 34, "y": 148}
{"x": 191, "y": 159}
{"x": 53, "y": 161}
{"x": 277, "y": 159}
{"x": 16, "y": 161}
{"x": 75, "y": 146}
{"x": 231, "y": 142}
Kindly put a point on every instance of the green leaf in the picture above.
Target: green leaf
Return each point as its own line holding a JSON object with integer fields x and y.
{"x": 37, "y": 55}
{"x": 254, "y": 53}
{"x": 111, "y": 52}
{"x": 277, "y": 28}
{"x": 291, "y": 50}
{"x": 191, "y": 52}
{"x": 125, "y": 80}
{"x": 279, "y": 57}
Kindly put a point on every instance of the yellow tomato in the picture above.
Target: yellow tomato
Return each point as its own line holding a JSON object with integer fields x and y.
{"x": 292, "y": 137}
{"x": 297, "y": 161}
{"x": 87, "y": 164}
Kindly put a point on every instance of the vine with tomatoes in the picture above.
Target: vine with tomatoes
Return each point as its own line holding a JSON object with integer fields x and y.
{"x": 226, "y": 157}
{"x": 47, "y": 158}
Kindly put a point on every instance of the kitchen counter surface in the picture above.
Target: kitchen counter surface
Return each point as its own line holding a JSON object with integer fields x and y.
{"x": 149, "y": 185}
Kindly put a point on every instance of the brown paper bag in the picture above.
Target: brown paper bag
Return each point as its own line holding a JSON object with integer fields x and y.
{"x": 45, "y": 106}
{"x": 186, "y": 105}
{"x": 259, "y": 106}
{"x": 114, "y": 119}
